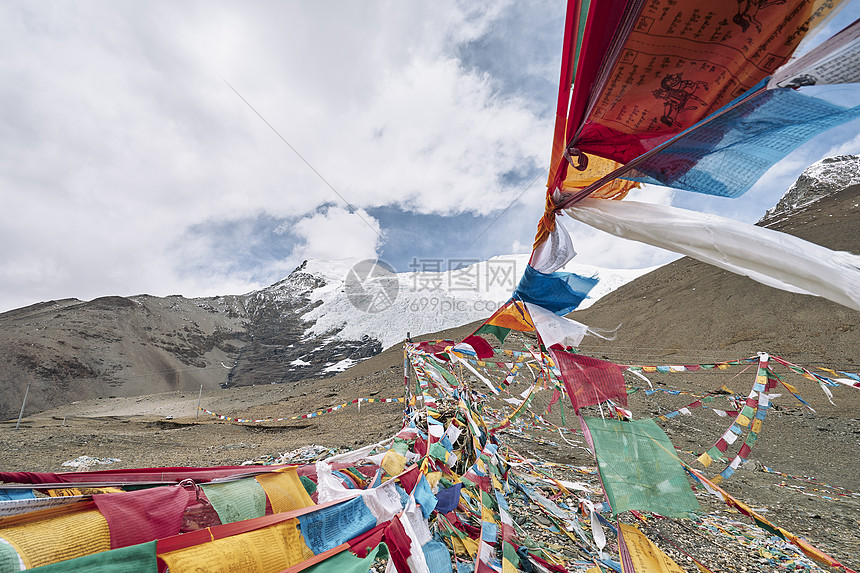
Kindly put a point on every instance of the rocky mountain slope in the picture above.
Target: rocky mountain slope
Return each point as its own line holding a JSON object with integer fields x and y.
{"x": 819, "y": 180}
{"x": 308, "y": 325}
{"x": 69, "y": 350}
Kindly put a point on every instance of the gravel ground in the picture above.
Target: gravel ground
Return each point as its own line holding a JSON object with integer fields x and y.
{"x": 817, "y": 498}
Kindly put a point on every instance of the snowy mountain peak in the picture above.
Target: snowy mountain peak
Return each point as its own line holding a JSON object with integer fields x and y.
{"x": 355, "y": 300}
{"x": 820, "y": 179}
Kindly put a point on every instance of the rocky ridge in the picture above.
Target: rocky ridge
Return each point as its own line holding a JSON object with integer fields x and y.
{"x": 303, "y": 327}
{"x": 822, "y": 178}
{"x": 70, "y": 350}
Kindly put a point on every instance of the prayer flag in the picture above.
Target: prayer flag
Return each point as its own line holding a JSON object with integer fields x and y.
{"x": 639, "y": 468}
{"x": 590, "y": 381}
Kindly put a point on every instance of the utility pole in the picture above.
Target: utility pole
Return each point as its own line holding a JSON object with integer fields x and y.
{"x": 24, "y": 403}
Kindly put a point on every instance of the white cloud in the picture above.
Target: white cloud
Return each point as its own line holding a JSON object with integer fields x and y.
{"x": 851, "y": 147}
{"x": 123, "y": 154}
{"x": 119, "y": 135}
{"x": 338, "y": 234}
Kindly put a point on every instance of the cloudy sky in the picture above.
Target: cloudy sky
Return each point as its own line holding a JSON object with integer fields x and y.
{"x": 137, "y": 150}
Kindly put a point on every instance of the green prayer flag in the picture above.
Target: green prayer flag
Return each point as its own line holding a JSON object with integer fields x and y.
{"x": 509, "y": 553}
{"x": 437, "y": 451}
{"x": 309, "y": 484}
{"x": 639, "y": 468}
{"x": 400, "y": 446}
{"x": 499, "y": 332}
{"x": 133, "y": 559}
{"x": 9, "y": 560}
{"x": 347, "y": 562}
{"x": 236, "y": 500}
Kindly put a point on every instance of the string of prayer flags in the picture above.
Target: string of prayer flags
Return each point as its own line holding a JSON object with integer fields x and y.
{"x": 751, "y": 416}
{"x": 763, "y": 523}
{"x": 378, "y": 501}
{"x": 678, "y": 368}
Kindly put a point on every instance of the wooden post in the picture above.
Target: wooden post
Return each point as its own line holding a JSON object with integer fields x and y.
{"x": 200, "y": 395}
{"x": 21, "y": 415}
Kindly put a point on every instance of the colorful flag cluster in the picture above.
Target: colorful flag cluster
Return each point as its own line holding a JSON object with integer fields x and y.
{"x": 435, "y": 495}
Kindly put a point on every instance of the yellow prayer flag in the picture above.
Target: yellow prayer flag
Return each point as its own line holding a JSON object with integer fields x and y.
{"x": 464, "y": 546}
{"x": 576, "y": 180}
{"x": 487, "y": 514}
{"x": 393, "y": 463}
{"x": 70, "y": 491}
{"x": 705, "y": 459}
{"x": 59, "y": 538}
{"x": 756, "y": 426}
{"x": 742, "y": 421}
{"x": 497, "y": 485}
{"x": 644, "y": 555}
{"x": 285, "y": 490}
{"x": 433, "y": 478}
{"x": 266, "y": 550}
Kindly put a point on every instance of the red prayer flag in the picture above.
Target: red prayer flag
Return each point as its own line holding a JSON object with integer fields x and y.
{"x": 145, "y": 515}
{"x": 399, "y": 543}
{"x": 481, "y": 346}
{"x": 556, "y": 395}
{"x": 590, "y": 381}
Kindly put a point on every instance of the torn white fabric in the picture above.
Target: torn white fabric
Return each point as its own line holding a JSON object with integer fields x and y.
{"x": 554, "y": 329}
{"x": 467, "y": 366}
{"x": 555, "y": 252}
{"x": 383, "y": 501}
{"x": 764, "y": 255}
{"x": 359, "y": 454}
{"x": 642, "y": 376}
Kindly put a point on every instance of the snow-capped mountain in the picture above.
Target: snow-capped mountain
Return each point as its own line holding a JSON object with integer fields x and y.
{"x": 321, "y": 319}
{"x": 427, "y": 301}
{"x": 821, "y": 179}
